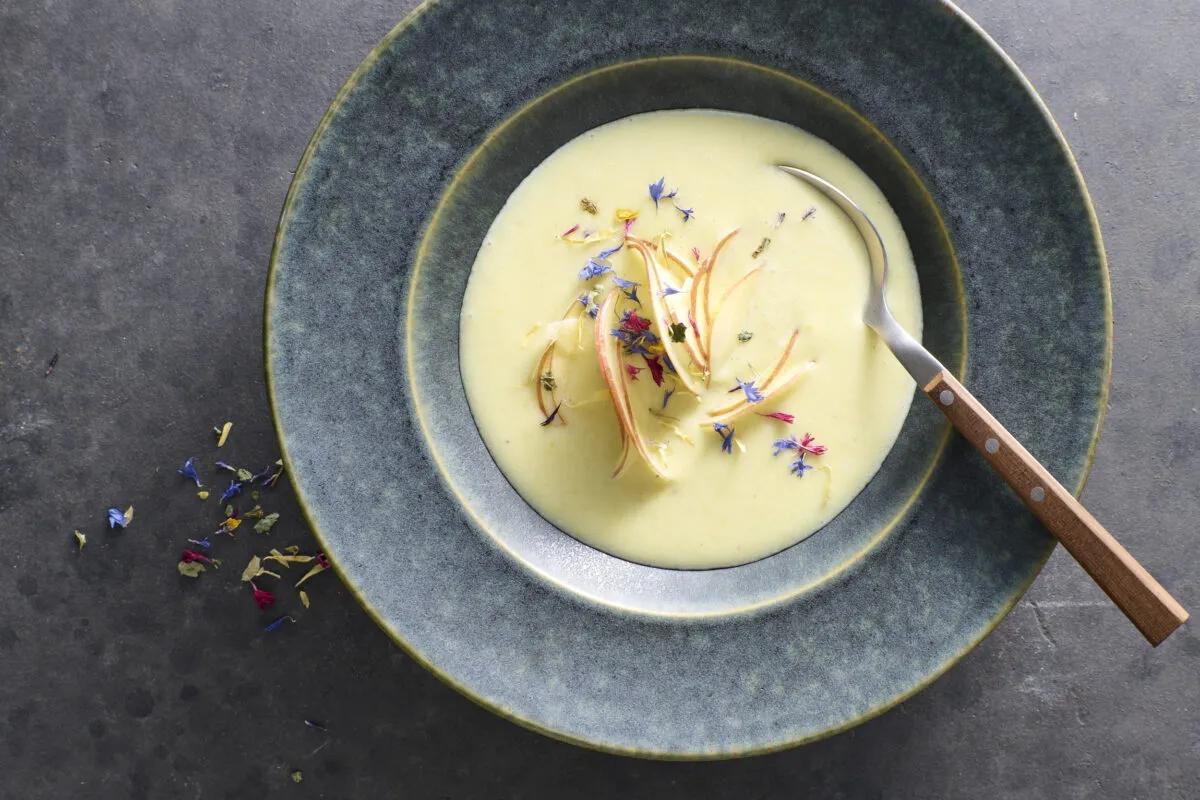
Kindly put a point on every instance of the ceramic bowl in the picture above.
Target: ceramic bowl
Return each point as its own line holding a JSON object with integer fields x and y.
{"x": 380, "y": 228}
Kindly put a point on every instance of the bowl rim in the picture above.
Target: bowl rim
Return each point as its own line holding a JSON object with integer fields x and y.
{"x": 298, "y": 177}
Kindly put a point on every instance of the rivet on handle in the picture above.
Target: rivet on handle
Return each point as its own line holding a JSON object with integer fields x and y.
{"x": 946, "y": 397}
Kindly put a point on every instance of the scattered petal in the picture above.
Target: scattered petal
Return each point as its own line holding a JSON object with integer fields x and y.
{"x": 632, "y": 371}
{"x": 252, "y": 569}
{"x": 244, "y": 475}
{"x": 304, "y": 598}
{"x": 569, "y": 231}
{"x": 188, "y": 470}
{"x": 276, "y": 624}
{"x": 118, "y": 518}
{"x": 656, "y": 190}
{"x": 265, "y": 524}
{"x": 190, "y": 569}
{"x": 227, "y": 467}
{"x": 753, "y": 395}
{"x": 203, "y": 494}
{"x": 80, "y": 537}
{"x": 780, "y": 445}
{"x": 223, "y": 433}
{"x": 203, "y": 544}
{"x": 321, "y": 565}
{"x": 233, "y": 491}
{"x": 779, "y": 415}
{"x": 262, "y": 597}
{"x": 551, "y": 417}
{"x": 297, "y": 775}
{"x": 656, "y": 369}
{"x": 593, "y": 269}
{"x": 809, "y": 214}
{"x": 798, "y": 467}
{"x": 779, "y": 219}
{"x": 726, "y": 434}
{"x": 809, "y": 445}
{"x": 191, "y": 556}
{"x": 668, "y": 291}
{"x": 686, "y": 212}
{"x": 667, "y": 396}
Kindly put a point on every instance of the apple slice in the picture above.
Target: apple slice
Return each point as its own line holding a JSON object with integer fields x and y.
{"x": 709, "y": 264}
{"x": 728, "y": 292}
{"x": 679, "y": 262}
{"x": 608, "y": 354}
{"x": 663, "y": 318}
{"x": 768, "y": 383}
{"x": 783, "y": 383}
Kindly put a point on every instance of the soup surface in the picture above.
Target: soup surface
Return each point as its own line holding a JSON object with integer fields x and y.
{"x": 717, "y": 361}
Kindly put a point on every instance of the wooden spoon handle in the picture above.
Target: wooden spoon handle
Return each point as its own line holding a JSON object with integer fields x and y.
{"x": 1147, "y": 604}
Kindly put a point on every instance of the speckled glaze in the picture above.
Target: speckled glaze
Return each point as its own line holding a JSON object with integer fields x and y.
{"x": 378, "y": 234}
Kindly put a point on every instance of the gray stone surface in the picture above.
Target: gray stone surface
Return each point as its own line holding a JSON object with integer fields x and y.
{"x": 144, "y": 154}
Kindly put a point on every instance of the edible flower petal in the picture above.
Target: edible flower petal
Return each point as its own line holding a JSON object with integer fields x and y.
{"x": 668, "y": 291}
{"x": 781, "y": 416}
{"x": 261, "y": 596}
{"x": 753, "y": 395}
{"x": 227, "y": 467}
{"x": 798, "y": 467}
{"x": 81, "y": 537}
{"x": 686, "y": 212}
{"x": 203, "y": 544}
{"x": 190, "y": 556}
{"x": 789, "y": 443}
{"x": 632, "y": 371}
{"x": 233, "y": 491}
{"x": 551, "y": 416}
{"x": 656, "y": 369}
{"x": 118, "y": 518}
{"x": 593, "y": 269}
{"x": 667, "y": 396}
{"x": 271, "y": 627}
{"x": 809, "y": 445}
{"x": 188, "y": 470}
{"x": 726, "y": 434}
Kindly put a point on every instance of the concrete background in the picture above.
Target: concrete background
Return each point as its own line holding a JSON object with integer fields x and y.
{"x": 145, "y": 149}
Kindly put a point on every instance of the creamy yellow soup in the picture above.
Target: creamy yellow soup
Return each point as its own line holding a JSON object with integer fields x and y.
{"x": 792, "y": 271}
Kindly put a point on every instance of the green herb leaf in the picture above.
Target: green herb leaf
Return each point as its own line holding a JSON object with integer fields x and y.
{"x": 758, "y": 251}
{"x": 678, "y": 332}
{"x": 265, "y": 524}
{"x": 297, "y": 776}
{"x": 745, "y": 336}
{"x": 244, "y": 475}
{"x": 588, "y": 206}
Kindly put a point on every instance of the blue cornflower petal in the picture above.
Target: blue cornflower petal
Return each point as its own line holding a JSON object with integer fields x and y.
{"x": 631, "y": 294}
{"x": 265, "y": 475}
{"x": 624, "y": 284}
{"x": 275, "y": 625}
{"x": 225, "y": 466}
{"x": 789, "y": 443}
{"x": 593, "y": 269}
{"x": 604, "y": 255}
{"x": 116, "y": 518}
{"x": 726, "y": 434}
{"x": 669, "y": 290}
{"x": 667, "y": 397}
{"x": 203, "y": 544}
{"x": 656, "y": 190}
{"x": 799, "y": 467}
{"x": 753, "y": 395}
{"x": 594, "y": 311}
{"x": 687, "y": 212}
{"x": 233, "y": 491}
{"x": 188, "y": 470}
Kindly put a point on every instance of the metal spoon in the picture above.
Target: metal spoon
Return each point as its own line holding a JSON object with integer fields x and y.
{"x": 1147, "y": 604}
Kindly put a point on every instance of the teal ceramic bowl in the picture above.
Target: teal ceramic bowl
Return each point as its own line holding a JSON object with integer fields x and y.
{"x": 389, "y": 205}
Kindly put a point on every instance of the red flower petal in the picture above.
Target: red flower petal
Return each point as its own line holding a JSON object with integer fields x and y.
{"x": 656, "y": 369}
{"x": 781, "y": 416}
{"x": 633, "y": 371}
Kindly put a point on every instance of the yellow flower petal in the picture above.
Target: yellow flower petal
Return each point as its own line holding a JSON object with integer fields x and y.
{"x": 81, "y": 538}
{"x": 304, "y": 598}
{"x": 203, "y": 495}
{"x": 223, "y": 434}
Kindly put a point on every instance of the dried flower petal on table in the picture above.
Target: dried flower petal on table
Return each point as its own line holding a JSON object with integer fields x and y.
{"x": 244, "y": 475}
{"x": 190, "y": 569}
{"x": 304, "y": 598}
{"x": 726, "y": 434}
{"x": 118, "y": 518}
{"x": 252, "y": 569}
{"x": 233, "y": 491}
{"x": 223, "y": 433}
{"x": 188, "y": 470}
{"x": 81, "y": 538}
{"x": 203, "y": 494}
{"x": 780, "y": 415}
{"x": 297, "y": 775}
{"x": 276, "y": 624}
{"x": 265, "y": 524}
{"x": 203, "y": 544}
{"x": 262, "y": 597}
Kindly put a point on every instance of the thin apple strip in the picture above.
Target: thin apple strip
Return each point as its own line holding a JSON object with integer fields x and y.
{"x": 663, "y": 317}
{"x": 694, "y": 317}
{"x": 709, "y": 265}
{"x": 679, "y": 262}
{"x": 608, "y": 354}
{"x": 728, "y": 292}
{"x": 766, "y": 384}
{"x": 783, "y": 384}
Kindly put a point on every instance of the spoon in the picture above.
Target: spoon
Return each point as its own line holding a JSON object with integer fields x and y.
{"x": 1147, "y": 604}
